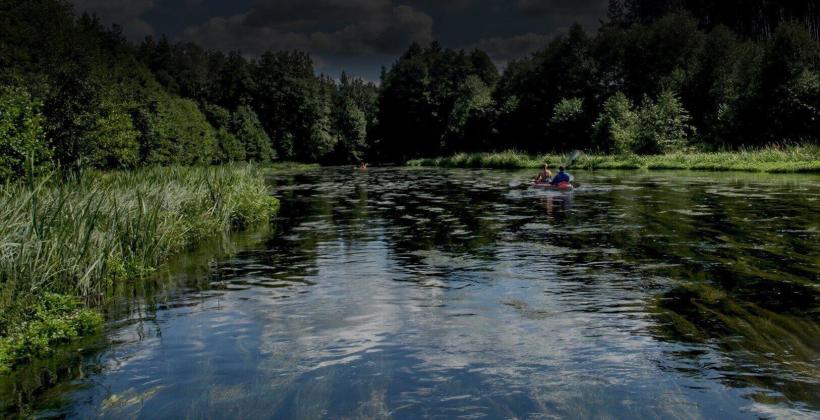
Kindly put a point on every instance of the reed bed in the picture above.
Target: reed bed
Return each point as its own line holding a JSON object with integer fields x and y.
{"x": 70, "y": 242}
{"x": 802, "y": 158}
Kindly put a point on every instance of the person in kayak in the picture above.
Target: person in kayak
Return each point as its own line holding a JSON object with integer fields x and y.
{"x": 544, "y": 176}
{"x": 560, "y": 177}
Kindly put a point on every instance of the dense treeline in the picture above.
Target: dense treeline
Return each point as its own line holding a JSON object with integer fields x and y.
{"x": 748, "y": 18}
{"x": 659, "y": 76}
{"x": 652, "y": 80}
{"x": 75, "y": 94}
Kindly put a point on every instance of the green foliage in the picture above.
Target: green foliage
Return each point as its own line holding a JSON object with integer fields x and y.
{"x": 82, "y": 237}
{"x": 351, "y": 129}
{"x": 50, "y": 320}
{"x": 567, "y": 110}
{"x": 112, "y": 141}
{"x": 471, "y": 106}
{"x": 178, "y": 133}
{"x": 568, "y": 125}
{"x": 246, "y": 127}
{"x": 617, "y": 126}
{"x": 531, "y": 88}
{"x": 217, "y": 116}
{"x": 738, "y": 79}
{"x": 788, "y": 85}
{"x": 353, "y": 113}
{"x": 805, "y": 158}
{"x": 663, "y": 126}
{"x": 321, "y": 142}
{"x": 418, "y": 98}
{"x": 290, "y": 103}
{"x": 750, "y": 18}
{"x": 22, "y": 136}
{"x": 660, "y": 126}
{"x": 230, "y": 148}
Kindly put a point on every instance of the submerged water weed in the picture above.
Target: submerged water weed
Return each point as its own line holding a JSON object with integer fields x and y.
{"x": 700, "y": 312}
{"x": 80, "y": 237}
{"x": 53, "y": 319}
{"x": 801, "y": 158}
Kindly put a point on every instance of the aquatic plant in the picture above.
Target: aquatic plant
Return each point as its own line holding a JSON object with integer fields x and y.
{"x": 53, "y": 319}
{"x": 80, "y": 237}
{"x": 746, "y": 332}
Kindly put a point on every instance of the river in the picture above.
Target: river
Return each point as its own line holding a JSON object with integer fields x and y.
{"x": 403, "y": 293}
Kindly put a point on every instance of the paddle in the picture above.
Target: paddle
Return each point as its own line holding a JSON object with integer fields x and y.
{"x": 572, "y": 158}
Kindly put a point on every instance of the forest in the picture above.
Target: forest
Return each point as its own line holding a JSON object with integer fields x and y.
{"x": 657, "y": 77}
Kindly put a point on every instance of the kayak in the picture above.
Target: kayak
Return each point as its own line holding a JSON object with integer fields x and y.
{"x": 547, "y": 185}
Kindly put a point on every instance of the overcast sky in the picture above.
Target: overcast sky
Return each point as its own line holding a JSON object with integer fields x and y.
{"x": 356, "y": 35}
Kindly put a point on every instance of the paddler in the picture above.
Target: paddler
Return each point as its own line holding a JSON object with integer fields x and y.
{"x": 544, "y": 176}
{"x": 560, "y": 177}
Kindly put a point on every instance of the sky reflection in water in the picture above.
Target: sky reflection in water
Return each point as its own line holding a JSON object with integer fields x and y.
{"x": 414, "y": 292}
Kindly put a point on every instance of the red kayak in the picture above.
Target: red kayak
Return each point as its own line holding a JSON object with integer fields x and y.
{"x": 559, "y": 186}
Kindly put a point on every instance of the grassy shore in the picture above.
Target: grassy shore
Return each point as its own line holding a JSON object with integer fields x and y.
{"x": 290, "y": 166}
{"x": 63, "y": 245}
{"x": 787, "y": 159}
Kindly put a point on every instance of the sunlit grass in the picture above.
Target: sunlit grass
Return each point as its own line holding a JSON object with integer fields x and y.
{"x": 290, "y": 166}
{"x": 804, "y": 158}
{"x": 79, "y": 238}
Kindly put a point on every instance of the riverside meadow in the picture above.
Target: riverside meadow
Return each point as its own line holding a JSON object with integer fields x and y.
{"x": 801, "y": 158}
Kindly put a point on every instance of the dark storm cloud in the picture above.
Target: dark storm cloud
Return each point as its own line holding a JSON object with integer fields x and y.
{"x": 336, "y": 27}
{"x": 126, "y": 13}
{"x": 359, "y": 34}
{"x": 444, "y": 5}
{"x": 553, "y": 18}
{"x": 504, "y": 49}
{"x": 568, "y": 7}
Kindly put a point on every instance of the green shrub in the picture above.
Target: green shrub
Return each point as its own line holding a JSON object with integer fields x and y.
{"x": 178, "y": 133}
{"x": 616, "y": 128}
{"x": 230, "y": 148}
{"x": 659, "y": 126}
{"x": 112, "y": 142}
{"x": 664, "y": 126}
{"x": 568, "y": 125}
{"x": 351, "y": 130}
{"x": 246, "y": 127}
{"x": 218, "y": 116}
{"x": 22, "y": 137}
{"x": 474, "y": 100}
{"x": 52, "y": 319}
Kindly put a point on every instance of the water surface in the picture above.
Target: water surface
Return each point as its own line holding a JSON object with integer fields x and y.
{"x": 463, "y": 293}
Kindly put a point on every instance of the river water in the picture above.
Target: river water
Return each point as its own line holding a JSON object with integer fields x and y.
{"x": 405, "y": 293}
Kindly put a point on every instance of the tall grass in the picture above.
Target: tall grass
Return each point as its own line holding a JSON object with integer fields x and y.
{"x": 803, "y": 158}
{"x": 78, "y": 238}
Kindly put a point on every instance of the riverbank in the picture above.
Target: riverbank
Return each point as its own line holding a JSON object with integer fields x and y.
{"x": 289, "y": 166}
{"x": 788, "y": 159}
{"x": 63, "y": 246}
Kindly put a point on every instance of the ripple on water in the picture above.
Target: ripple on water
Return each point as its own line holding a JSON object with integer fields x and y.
{"x": 453, "y": 293}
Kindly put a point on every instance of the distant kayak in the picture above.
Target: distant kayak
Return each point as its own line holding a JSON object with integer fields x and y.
{"x": 559, "y": 186}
